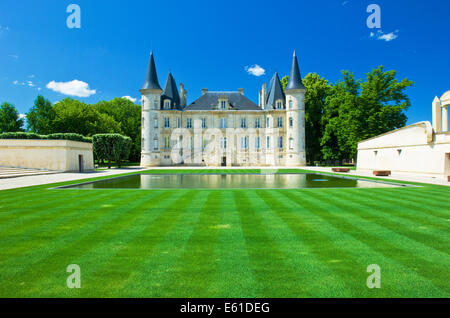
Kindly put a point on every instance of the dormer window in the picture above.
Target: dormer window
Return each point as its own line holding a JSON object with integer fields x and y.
{"x": 291, "y": 103}
{"x": 279, "y": 104}
{"x": 167, "y": 104}
{"x": 223, "y": 104}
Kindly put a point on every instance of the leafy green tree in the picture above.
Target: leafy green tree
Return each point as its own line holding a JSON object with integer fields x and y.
{"x": 128, "y": 115}
{"x": 112, "y": 147}
{"x": 77, "y": 117}
{"x": 10, "y": 120}
{"x": 41, "y": 116}
{"x": 357, "y": 110}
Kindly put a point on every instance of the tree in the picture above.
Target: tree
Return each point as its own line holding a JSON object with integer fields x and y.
{"x": 77, "y": 117}
{"x": 357, "y": 110}
{"x": 41, "y": 116}
{"x": 111, "y": 147}
{"x": 10, "y": 120}
{"x": 128, "y": 115}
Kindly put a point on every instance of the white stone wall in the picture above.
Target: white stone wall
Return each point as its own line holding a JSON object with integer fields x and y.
{"x": 60, "y": 155}
{"x": 415, "y": 149}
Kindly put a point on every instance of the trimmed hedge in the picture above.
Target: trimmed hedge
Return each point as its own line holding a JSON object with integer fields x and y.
{"x": 112, "y": 147}
{"x": 61, "y": 136}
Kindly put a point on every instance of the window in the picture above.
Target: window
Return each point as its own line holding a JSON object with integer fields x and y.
{"x": 244, "y": 142}
{"x": 268, "y": 123}
{"x": 223, "y": 104}
{"x": 223, "y": 143}
{"x": 279, "y": 105}
{"x": 166, "y": 142}
{"x": 291, "y": 122}
{"x": 166, "y": 122}
{"x": 223, "y": 123}
{"x": 291, "y": 103}
{"x": 167, "y": 104}
{"x": 178, "y": 122}
{"x": 257, "y": 123}
{"x": 203, "y": 143}
{"x": 189, "y": 123}
{"x": 291, "y": 143}
{"x": 243, "y": 123}
{"x": 203, "y": 122}
{"x": 257, "y": 142}
{"x": 155, "y": 144}
{"x": 156, "y": 104}
{"x": 280, "y": 142}
{"x": 268, "y": 143}
{"x": 156, "y": 123}
{"x": 280, "y": 122}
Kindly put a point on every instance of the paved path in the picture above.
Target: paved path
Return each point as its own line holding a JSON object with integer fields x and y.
{"x": 27, "y": 181}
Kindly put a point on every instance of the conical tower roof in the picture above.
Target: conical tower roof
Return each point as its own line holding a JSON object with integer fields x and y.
{"x": 151, "y": 79}
{"x": 275, "y": 91}
{"x": 295, "y": 79}
{"x": 171, "y": 91}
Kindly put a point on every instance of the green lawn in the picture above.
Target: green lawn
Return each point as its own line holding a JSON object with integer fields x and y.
{"x": 230, "y": 243}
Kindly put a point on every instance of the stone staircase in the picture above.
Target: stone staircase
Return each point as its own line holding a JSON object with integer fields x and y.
{"x": 8, "y": 172}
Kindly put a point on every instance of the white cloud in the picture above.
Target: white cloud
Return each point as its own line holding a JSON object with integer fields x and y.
{"x": 380, "y": 35}
{"x": 16, "y": 82}
{"x": 72, "y": 88}
{"x": 255, "y": 70}
{"x": 16, "y": 57}
{"x": 133, "y": 100}
{"x": 22, "y": 115}
{"x": 30, "y": 83}
{"x": 345, "y": 2}
{"x": 31, "y": 76}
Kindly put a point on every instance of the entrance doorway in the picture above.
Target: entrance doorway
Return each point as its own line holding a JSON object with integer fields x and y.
{"x": 80, "y": 163}
{"x": 224, "y": 161}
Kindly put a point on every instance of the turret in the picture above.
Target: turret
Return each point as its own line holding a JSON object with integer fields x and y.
{"x": 170, "y": 98}
{"x": 295, "y": 117}
{"x": 151, "y": 99}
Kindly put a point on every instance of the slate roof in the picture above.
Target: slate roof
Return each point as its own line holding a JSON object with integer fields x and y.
{"x": 275, "y": 92}
{"x": 295, "y": 79}
{"x": 151, "y": 79}
{"x": 171, "y": 92}
{"x": 210, "y": 100}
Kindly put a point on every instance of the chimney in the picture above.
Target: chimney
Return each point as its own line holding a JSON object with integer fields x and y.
{"x": 204, "y": 91}
{"x": 437, "y": 120}
{"x": 241, "y": 91}
{"x": 183, "y": 96}
{"x": 263, "y": 96}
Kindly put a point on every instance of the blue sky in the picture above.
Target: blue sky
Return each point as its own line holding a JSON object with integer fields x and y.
{"x": 210, "y": 44}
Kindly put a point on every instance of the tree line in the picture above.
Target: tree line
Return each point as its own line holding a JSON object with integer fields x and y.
{"x": 117, "y": 116}
{"x": 337, "y": 116}
{"x": 340, "y": 115}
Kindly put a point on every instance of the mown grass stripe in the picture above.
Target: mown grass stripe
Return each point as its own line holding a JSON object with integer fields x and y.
{"x": 104, "y": 241}
{"x": 435, "y": 239}
{"x": 426, "y": 269}
{"x": 306, "y": 206}
{"x": 44, "y": 257}
{"x": 274, "y": 278}
{"x": 233, "y": 277}
{"x": 337, "y": 260}
{"x": 196, "y": 268}
{"x": 155, "y": 271}
{"x": 115, "y": 271}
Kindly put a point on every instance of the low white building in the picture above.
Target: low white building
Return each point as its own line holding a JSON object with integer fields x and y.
{"x": 420, "y": 148}
{"x": 59, "y": 155}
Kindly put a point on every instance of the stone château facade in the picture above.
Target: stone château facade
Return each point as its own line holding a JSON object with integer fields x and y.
{"x": 223, "y": 128}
